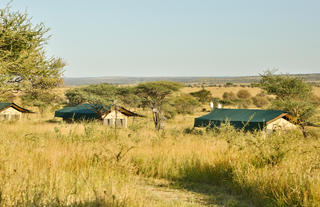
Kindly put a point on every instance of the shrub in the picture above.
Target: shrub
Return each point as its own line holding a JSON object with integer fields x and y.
{"x": 243, "y": 94}
{"x": 228, "y": 84}
{"x": 193, "y": 131}
{"x": 228, "y": 96}
{"x": 260, "y": 101}
{"x": 203, "y": 95}
{"x": 185, "y": 104}
{"x": 243, "y": 103}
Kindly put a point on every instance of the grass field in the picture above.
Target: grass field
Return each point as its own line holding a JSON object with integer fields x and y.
{"x": 51, "y": 163}
{"x": 46, "y": 162}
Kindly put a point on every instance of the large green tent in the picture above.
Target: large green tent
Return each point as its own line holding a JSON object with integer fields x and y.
{"x": 89, "y": 112}
{"x": 82, "y": 112}
{"x": 247, "y": 119}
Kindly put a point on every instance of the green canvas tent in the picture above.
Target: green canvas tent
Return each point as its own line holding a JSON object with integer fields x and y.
{"x": 247, "y": 119}
{"x": 82, "y": 112}
{"x": 89, "y": 112}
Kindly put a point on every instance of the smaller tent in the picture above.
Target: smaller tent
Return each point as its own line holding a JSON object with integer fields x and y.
{"x": 110, "y": 115}
{"x": 11, "y": 111}
{"x": 247, "y": 119}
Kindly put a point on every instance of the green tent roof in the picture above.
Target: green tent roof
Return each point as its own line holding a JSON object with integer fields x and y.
{"x": 15, "y": 106}
{"x": 249, "y": 119}
{"x": 82, "y": 111}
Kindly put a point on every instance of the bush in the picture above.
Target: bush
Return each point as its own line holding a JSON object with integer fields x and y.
{"x": 228, "y": 84}
{"x": 168, "y": 109}
{"x": 260, "y": 101}
{"x": 185, "y": 104}
{"x": 203, "y": 95}
{"x": 243, "y": 103}
{"x": 243, "y": 94}
{"x": 228, "y": 96}
{"x": 193, "y": 131}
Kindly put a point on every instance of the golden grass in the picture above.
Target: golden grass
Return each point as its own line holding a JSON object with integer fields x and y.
{"x": 316, "y": 91}
{"x": 86, "y": 164}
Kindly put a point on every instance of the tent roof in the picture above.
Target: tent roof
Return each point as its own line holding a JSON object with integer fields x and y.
{"x": 89, "y": 111}
{"x": 251, "y": 118}
{"x": 4, "y": 106}
{"x": 84, "y": 111}
{"x": 246, "y": 115}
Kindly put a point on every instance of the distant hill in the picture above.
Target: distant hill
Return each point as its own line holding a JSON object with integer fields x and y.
{"x": 122, "y": 80}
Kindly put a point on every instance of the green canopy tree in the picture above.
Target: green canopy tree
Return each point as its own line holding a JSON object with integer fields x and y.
{"x": 24, "y": 64}
{"x": 293, "y": 95}
{"x": 203, "y": 95}
{"x": 154, "y": 94}
{"x": 101, "y": 94}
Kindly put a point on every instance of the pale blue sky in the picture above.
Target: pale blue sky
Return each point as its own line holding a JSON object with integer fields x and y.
{"x": 180, "y": 37}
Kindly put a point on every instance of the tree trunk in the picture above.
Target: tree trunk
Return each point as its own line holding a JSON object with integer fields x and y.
{"x": 303, "y": 131}
{"x": 156, "y": 118}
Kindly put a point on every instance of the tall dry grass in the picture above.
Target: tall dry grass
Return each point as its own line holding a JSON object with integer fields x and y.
{"x": 86, "y": 164}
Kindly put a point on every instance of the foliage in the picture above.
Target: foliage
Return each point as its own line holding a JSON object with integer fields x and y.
{"x": 41, "y": 100}
{"x": 185, "y": 104}
{"x": 260, "y": 101}
{"x": 103, "y": 94}
{"x": 229, "y": 96}
{"x": 293, "y": 95}
{"x": 24, "y": 63}
{"x": 229, "y": 84}
{"x": 242, "y": 103}
{"x": 168, "y": 110}
{"x": 203, "y": 95}
{"x": 182, "y": 104}
{"x": 285, "y": 86}
{"x": 153, "y": 95}
{"x": 127, "y": 97}
{"x": 243, "y": 94}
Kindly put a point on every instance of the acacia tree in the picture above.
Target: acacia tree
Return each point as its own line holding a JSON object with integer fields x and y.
{"x": 24, "y": 64}
{"x": 153, "y": 94}
{"x": 203, "y": 95}
{"x": 293, "y": 95}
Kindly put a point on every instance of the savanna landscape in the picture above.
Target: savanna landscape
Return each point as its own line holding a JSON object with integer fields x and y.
{"x": 47, "y": 162}
{"x": 158, "y": 158}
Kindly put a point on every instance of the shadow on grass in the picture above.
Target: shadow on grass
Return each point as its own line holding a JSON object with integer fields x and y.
{"x": 218, "y": 185}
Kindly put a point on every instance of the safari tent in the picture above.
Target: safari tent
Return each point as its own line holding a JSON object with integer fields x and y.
{"x": 247, "y": 119}
{"x": 109, "y": 115}
{"x": 11, "y": 111}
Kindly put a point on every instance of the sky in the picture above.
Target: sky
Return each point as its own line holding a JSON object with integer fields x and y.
{"x": 180, "y": 37}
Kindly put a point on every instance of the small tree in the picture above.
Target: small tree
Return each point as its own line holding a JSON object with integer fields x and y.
{"x": 243, "y": 94}
{"x": 153, "y": 94}
{"x": 203, "y": 95}
{"x": 260, "y": 101}
{"x": 24, "y": 65}
{"x": 293, "y": 95}
{"x": 184, "y": 104}
{"x": 103, "y": 94}
{"x": 229, "y": 96}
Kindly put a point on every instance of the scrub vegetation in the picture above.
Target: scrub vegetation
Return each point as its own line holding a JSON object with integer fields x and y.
{"x": 84, "y": 164}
